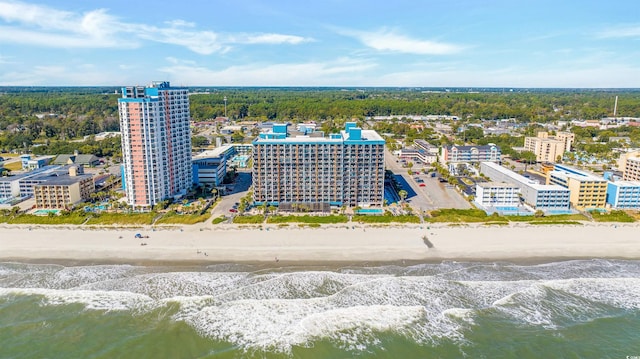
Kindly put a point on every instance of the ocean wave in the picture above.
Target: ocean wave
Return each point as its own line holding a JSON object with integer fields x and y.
{"x": 560, "y": 303}
{"x": 279, "y": 325}
{"x": 91, "y": 300}
{"x": 60, "y": 277}
{"x": 280, "y": 310}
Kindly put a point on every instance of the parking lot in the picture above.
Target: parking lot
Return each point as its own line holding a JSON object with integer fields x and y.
{"x": 425, "y": 192}
{"x": 238, "y": 189}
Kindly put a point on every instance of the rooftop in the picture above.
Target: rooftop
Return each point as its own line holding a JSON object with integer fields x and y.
{"x": 496, "y": 185}
{"x": 522, "y": 179}
{"x": 571, "y": 172}
{"x": 281, "y": 134}
{"x": 216, "y": 152}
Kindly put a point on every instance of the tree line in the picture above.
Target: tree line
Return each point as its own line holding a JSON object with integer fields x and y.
{"x": 46, "y": 116}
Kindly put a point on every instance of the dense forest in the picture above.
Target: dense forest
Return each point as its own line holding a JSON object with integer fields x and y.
{"x": 275, "y": 104}
{"x": 51, "y": 117}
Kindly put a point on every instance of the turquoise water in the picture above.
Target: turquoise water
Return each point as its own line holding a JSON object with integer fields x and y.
{"x": 510, "y": 211}
{"x": 44, "y": 212}
{"x": 571, "y": 309}
{"x": 559, "y": 211}
{"x": 507, "y": 209}
{"x": 370, "y": 211}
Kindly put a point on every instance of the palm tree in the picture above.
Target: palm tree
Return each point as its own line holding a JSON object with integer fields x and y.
{"x": 272, "y": 209}
{"x": 403, "y": 194}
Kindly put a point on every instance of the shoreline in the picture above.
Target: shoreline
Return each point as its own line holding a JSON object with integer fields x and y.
{"x": 328, "y": 246}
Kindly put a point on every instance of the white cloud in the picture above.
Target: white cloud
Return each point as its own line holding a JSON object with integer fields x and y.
{"x": 390, "y": 41}
{"x": 38, "y": 38}
{"x": 201, "y": 42}
{"x": 180, "y": 23}
{"x": 620, "y": 31}
{"x": 272, "y": 39}
{"x": 44, "y": 26}
{"x": 612, "y": 76}
{"x": 53, "y": 75}
{"x": 6, "y": 59}
{"x": 332, "y": 73}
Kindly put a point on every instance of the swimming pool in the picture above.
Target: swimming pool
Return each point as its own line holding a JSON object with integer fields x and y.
{"x": 507, "y": 209}
{"x": 370, "y": 211}
{"x": 559, "y": 211}
{"x": 45, "y": 212}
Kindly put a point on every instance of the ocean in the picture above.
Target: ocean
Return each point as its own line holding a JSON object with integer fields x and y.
{"x": 568, "y": 309}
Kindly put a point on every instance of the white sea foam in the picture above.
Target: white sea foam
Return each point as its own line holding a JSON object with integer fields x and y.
{"x": 175, "y": 284}
{"x": 460, "y": 313}
{"x": 527, "y": 306}
{"x": 279, "y": 324}
{"x": 275, "y": 310}
{"x": 560, "y": 302}
{"x": 294, "y": 285}
{"x": 58, "y": 277}
{"x": 92, "y": 300}
{"x": 617, "y": 292}
{"x": 407, "y": 306}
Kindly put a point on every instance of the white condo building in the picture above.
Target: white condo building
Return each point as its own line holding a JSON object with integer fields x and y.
{"x": 156, "y": 143}
{"x": 497, "y": 194}
{"x": 538, "y": 196}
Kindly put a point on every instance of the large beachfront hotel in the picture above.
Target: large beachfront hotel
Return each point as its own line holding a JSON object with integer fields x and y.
{"x": 156, "y": 143}
{"x": 304, "y": 169}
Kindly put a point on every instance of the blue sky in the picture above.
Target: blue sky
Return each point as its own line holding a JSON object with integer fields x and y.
{"x": 422, "y": 43}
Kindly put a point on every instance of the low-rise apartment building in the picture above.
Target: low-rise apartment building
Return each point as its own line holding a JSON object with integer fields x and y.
{"x": 210, "y": 167}
{"x": 471, "y": 154}
{"x": 497, "y": 194}
{"x": 624, "y": 194}
{"x": 549, "y": 149}
{"x": 629, "y": 165}
{"x": 63, "y": 190}
{"x": 539, "y": 196}
{"x": 587, "y": 191}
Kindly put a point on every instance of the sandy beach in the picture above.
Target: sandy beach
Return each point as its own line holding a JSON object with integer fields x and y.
{"x": 230, "y": 243}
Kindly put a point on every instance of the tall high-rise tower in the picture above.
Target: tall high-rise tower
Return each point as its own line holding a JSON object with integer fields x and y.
{"x": 156, "y": 143}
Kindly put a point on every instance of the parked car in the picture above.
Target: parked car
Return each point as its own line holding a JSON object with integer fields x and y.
{"x": 422, "y": 185}
{"x": 233, "y": 210}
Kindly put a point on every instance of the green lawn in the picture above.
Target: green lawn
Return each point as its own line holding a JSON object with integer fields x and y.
{"x": 70, "y": 218}
{"x": 123, "y": 218}
{"x": 574, "y": 223}
{"x": 549, "y": 219}
{"x": 257, "y": 219}
{"x": 13, "y": 166}
{"x": 613, "y": 216}
{"x": 219, "y": 220}
{"x": 175, "y": 218}
{"x": 463, "y": 215}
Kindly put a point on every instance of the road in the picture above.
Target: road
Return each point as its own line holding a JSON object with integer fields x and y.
{"x": 239, "y": 190}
